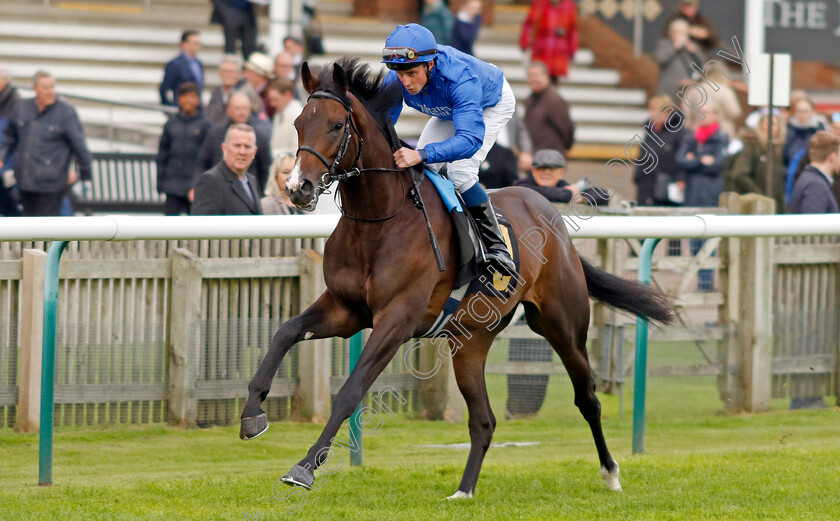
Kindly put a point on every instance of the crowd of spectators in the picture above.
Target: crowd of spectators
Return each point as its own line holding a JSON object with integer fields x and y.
{"x": 709, "y": 154}
{"x": 712, "y": 154}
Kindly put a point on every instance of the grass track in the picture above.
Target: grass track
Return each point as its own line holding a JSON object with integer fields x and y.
{"x": 699, "y": 465}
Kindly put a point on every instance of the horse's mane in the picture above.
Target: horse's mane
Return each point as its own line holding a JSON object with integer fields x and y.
{"x": 366, "y": 85}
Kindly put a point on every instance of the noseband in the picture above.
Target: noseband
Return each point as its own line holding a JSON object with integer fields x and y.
{"x": 330, "y": 175}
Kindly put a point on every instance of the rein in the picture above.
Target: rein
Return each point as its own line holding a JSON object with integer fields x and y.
{"x": 330, "y": 176}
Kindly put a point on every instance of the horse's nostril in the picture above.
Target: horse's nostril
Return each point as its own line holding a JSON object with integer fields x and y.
{"x": 306, "y": 188}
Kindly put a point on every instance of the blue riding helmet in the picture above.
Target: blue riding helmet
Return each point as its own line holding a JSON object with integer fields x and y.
{"x": 408, "y": 45}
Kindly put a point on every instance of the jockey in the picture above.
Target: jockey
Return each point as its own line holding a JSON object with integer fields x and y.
{"x": 469, "y": 101}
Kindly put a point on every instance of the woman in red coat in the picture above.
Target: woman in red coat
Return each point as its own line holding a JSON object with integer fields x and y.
{"x": 550, "y": 31}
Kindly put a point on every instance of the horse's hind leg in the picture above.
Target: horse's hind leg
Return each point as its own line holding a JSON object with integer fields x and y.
{"x": 567, "y": 335}
{"x": 325, "y": 318}
{"x": 468, "y": 363}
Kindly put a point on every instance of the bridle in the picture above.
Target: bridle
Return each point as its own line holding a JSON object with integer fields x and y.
{"x": 331, "y": 176}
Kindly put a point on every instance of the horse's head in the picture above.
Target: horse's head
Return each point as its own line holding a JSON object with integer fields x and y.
{"x": 327, "y": 137}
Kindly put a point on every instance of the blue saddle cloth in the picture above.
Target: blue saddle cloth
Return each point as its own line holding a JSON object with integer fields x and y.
{"x": 446, "y": 190}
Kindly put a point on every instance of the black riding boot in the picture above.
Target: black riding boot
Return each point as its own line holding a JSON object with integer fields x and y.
{"x": 491, "y": 235}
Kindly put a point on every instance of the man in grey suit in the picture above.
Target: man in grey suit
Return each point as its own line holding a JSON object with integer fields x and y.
{"x": 228, "y": 188}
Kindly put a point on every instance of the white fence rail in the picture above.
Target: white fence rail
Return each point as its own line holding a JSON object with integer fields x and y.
{"x": 127, "y": 227}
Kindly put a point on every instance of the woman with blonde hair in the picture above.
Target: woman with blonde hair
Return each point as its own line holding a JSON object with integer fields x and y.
{"x": 276, "y": 201}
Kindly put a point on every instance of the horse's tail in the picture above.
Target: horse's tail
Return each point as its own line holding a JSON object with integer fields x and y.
{"x": 629, "y": 295}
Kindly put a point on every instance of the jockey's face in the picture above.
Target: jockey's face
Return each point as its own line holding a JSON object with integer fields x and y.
{"x": 415, "y": 79}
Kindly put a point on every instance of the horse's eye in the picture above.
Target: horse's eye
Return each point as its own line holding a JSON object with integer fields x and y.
{"x": 338, "y": 126}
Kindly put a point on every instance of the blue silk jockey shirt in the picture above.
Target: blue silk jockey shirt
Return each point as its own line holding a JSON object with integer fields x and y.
{"x": 460, "y": 87}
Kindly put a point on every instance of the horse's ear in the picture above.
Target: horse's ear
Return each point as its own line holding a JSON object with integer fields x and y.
{"x": 310, "y": 82}
{"x": 340, "y": 77}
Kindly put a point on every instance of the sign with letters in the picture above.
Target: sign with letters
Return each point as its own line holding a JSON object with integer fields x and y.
{"x": 808, "y": 30}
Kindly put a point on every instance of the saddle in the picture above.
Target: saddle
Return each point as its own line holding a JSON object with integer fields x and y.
{"x": 471, "y": 277}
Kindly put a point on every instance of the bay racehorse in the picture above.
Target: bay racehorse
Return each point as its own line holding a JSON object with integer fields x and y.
{"x": 380, "y": 272}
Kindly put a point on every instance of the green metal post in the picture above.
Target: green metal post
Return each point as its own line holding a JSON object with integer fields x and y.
{"x": 640, "y": 380}
{"x": 356, "y": 432}
{"x": 45, "y": 441}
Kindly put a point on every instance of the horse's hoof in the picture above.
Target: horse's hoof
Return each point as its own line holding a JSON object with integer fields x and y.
{"x": 253, "y": 426}
{"x": 299, "y": 477}
{"x": 461, "y": 495}
{"x": 611, "y": 478}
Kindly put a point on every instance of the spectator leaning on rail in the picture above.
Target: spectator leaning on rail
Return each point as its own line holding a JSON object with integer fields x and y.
{"x": 546, "y": 113}
{"x": 546, "y": 177}
{"x": 9, "y": 205}
{"x": 183, "y": 68}
{"x": 239, "y": 111}
{"x": 180, "y": 142}
{"x": 228, "y": 188}
{"x": 44, "y": 132}
{"x": 813, "y": 190}
{"x": 470, "y": 102}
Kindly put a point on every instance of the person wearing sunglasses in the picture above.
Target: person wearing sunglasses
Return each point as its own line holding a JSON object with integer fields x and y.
{"x": 470, "y": 102}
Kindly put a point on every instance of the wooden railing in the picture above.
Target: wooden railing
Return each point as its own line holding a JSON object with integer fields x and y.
{"x": 151, "y": 330}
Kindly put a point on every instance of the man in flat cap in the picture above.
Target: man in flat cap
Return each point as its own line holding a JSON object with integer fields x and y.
{"x": 546, "y": 177}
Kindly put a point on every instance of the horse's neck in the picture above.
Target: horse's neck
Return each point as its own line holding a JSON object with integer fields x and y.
{"x": 375, "y": 195}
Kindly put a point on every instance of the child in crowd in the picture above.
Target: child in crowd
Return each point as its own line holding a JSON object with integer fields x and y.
{"x": 180, "y": 142}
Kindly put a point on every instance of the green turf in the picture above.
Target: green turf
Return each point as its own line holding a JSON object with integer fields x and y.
{"x": 700, "y": 464}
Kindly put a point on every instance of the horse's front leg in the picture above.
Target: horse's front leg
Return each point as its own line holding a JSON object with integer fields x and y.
{"x": 385, "y": 339}
{"x": 326, "y": 317}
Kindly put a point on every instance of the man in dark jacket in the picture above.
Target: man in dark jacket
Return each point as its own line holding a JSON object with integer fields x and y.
{"x": 45, "y": 132}
{"x": 239, "y": 111}
{"x": 546, "y": 177}
{"x": 813, "y": 191}
{"x": 652, "y": 186}
{"x": 9, "y": 206}
{"x": 466, "y": 26}
{"x": 183, "y": 68}
{"x": 546, "y": 113}
{"x": 180, "y": 142}
{"x": 228, "y": 188}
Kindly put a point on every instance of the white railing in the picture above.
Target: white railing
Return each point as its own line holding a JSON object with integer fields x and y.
{"x": 128, "y": 227}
